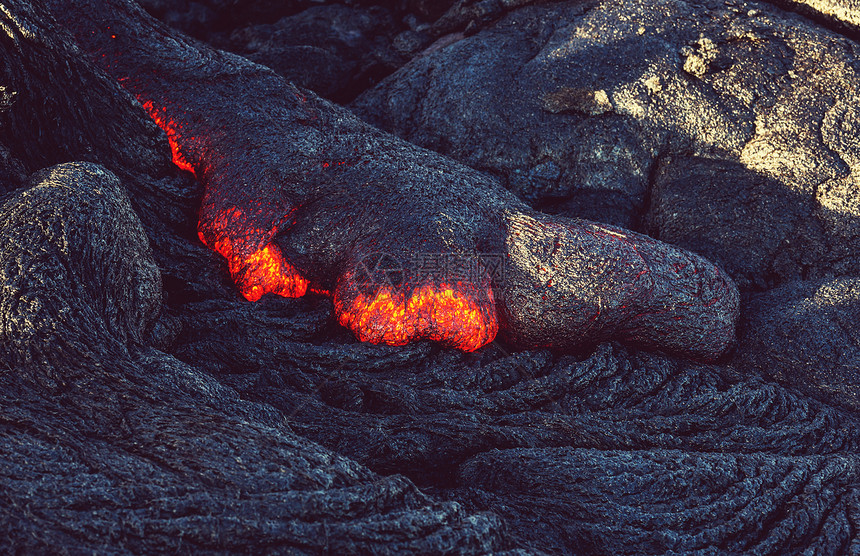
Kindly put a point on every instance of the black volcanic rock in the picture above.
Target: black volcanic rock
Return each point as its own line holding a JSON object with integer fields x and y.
{"x": 747, "y": 221}
{"x": 337, "y": 51}
{"x": 109, "y": 443}
{"x": 726, "y": 128}
{"x": 805, "y": 334}
{"x": 337, "y": 48}
{"x": 299, "y": 195}
{"x": 139, "y": 418}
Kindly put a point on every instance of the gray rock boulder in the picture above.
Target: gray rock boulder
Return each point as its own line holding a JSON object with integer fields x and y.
{"x": 805, "y": 334}
{"x": 722, "y": 127}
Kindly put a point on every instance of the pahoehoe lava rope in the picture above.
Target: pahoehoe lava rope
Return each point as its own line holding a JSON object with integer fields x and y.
{"x": 299, "y": 193}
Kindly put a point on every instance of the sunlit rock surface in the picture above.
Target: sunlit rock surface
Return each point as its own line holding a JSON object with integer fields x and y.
{"x": 181, "y": 417}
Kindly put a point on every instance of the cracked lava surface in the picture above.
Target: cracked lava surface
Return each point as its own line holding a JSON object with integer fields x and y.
{"x": 298, "y": 191}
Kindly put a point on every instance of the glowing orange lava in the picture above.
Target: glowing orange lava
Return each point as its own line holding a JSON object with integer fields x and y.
{"x": 266, "y": 271}
{"x": 458, "y": 315}
{"x": 435, "y": 312}
{"x": 171, "y": 128}
{"x": 255, "y": 270}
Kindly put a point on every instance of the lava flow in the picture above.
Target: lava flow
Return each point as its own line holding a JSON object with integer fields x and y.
{"x": 443, "y": 313}
{"x": 266, "y": 271}
{"x": 256, "y": 272}
{"x": 171, "y": 128}
{"x": 256, "y": 269}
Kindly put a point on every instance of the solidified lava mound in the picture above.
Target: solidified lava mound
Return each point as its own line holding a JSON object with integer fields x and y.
{"x": 236, "y": 317}
{"x": 298, "y": 194}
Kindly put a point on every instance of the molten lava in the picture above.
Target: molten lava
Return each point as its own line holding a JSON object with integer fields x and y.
{"x": 443, "y": 313}
{"x": 452, "y": 315}
{"x": 266, "y": 271}
{"x": 255, "y": 270}
{"x": 172, "y": 129}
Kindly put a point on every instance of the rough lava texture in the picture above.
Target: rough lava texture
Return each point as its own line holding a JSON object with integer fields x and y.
{"x": 180, "y": 417}
{"x": 841, "y": 15}
{"x": 335, "y": 50}
{"x": 142, "y": 452}
{"x": 301, "y": 196}
{"x": 727, "y": 128}
{"x": 652, "y": 107}
{"x": 810, "y": 328}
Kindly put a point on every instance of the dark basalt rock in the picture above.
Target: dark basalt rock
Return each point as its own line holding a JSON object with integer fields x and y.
{"x": 337, "y": 51}
{"x": 508, "y": 116}
{"x": 300, "y": 195}
{"x": 108, "y": 443}
{"x": 336, "y": 48}
{"x": 34, "y": 49}
{"x": 219, "y": 425}
{"x": 747, "y": 223}
{"x": 651, "y": 108}
{"x": 209, "y": 19}
{"x": 578, "y": 482}
{"x": 805, "y": 334}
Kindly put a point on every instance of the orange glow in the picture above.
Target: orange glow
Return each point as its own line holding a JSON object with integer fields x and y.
{"x": 442, "y": 313}
{"x": 171, "y": 128}
{"x": 459, "y": 315}
{"x": 266, "y": 271}
{"x": 255, "y": 270}
{"x": 223, "y": 229}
